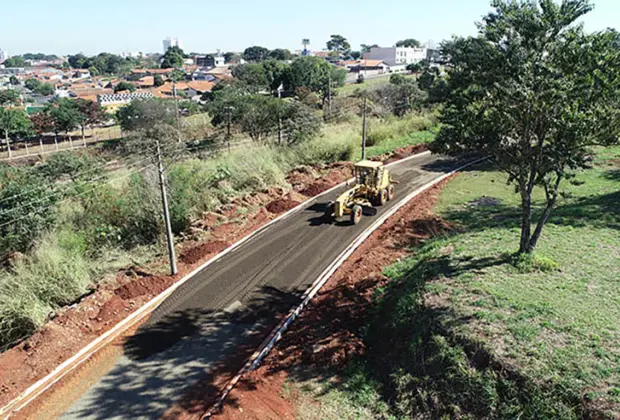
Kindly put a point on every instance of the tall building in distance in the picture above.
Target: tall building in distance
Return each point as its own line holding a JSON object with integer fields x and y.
{"x": 171, "y": 42}
{"x": 3, "y": 55}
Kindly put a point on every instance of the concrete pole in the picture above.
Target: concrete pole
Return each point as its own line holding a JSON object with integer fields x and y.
{"x": 164, "y": 199}
{"x": 364, "y": 130}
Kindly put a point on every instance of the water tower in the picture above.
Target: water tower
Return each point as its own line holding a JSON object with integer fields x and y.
{"x": 305, "y": 43}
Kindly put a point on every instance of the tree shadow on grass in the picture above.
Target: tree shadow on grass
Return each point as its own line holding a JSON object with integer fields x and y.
{"x": 602, "y": 211}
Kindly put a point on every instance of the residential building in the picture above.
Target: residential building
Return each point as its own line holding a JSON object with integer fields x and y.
{"x": 404, "y": 55}
{"x": 191, "y": 90}
{"x": 171, "y": 42}
{"x": 210, "y": 61}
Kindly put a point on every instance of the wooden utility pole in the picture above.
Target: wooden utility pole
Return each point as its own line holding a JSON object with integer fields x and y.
{"x": 164, "y": 200}
{"x": 364, "y": 129}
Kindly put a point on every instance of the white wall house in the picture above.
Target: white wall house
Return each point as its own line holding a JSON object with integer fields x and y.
{"x": 404, "y": 55}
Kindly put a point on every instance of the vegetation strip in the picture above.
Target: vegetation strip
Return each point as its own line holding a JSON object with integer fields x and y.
{"x": 279, "y": 330}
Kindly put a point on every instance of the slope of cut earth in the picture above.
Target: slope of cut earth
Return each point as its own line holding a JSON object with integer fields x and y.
{"x": 328, "y": 332}
{"x": 73, "y": 327}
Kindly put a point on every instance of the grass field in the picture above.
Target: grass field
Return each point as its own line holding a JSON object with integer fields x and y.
{"x": 465, "y": 331}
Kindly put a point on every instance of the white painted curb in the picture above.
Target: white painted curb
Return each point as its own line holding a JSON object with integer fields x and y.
{"x": 42, "y": 385}
{"x": 279, "y": 330}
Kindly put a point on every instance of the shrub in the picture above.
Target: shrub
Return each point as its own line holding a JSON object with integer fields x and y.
{"x": 54, "y": 275}
{"x": 27, "y": 208}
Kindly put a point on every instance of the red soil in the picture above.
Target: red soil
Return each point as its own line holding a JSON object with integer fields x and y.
{"x": 281, "y": 205}
{"x": 327, "y": 332}
{"x": 193, "y": 255}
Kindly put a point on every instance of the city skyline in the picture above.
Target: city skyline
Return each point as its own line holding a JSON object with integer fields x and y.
{"x": 53, "y": 30}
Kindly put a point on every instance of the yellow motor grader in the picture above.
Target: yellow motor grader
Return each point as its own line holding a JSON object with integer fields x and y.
{"x": 373, "y": 187}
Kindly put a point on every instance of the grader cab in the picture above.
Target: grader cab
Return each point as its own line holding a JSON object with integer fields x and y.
{"x": 373, "y": 187}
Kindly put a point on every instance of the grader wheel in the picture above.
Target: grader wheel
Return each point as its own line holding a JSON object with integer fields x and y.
{"x": 383, "y": 197}
{"x": 356, "y": 214}
{"x": 390, "y": 192}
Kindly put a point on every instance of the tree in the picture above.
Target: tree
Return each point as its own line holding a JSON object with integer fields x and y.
{"x": 530, "y": 92}
{"x": 42, "y": 123}
{"x": 66, "y": 115}
{"x": 36, "y": 86}
{"x": 13, "y": 80}
{"x": 14, "y": 62}
{"x": 158, "y": 80}
{"x": 255, "y": 54}
{"x": 339, "y": 44}
{"x": 232, "y": 58}
{"x": 400, "y": 96}
{"x": 252, "y": 74}
{"x": 173, "y": 58}
{"x": 409, "y": 43}
{"x": 415, "y": 67}
{"x": 299, "y": 122}
{"x": 32, "y": 84}
{"x": 280, "y": 54}
{"x": 355, "y": 55}
{"x": 9, "y": 97}
{"x": 124, "y": 86}
{"x": 14, "y": 122}
{"x": 366, "y": 48}
{"x": 145, "y": 113}
{"x": 92, "y": 113}
{"x": 94, "y": 71}
{"x": 315, "y": 74}
{"x": 77, "y": 61}
{"x": 46, "y": 89}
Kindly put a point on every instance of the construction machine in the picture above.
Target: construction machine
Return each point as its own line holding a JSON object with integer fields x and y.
{"x": 373, "y": 187}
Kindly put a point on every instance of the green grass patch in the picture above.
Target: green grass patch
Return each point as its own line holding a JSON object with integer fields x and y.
{"x": 466, "y": 330}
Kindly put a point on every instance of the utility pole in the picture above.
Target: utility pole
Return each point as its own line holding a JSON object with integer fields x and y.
{"x": 164, "y": 199}
{"x": 279, "y": 117}
{"x": 176, "y": 104}
{"x": 228, "y": 116}
{"x": 364, "y": 128}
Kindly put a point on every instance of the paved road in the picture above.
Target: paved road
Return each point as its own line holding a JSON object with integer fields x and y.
{"x": 226, "y": 309}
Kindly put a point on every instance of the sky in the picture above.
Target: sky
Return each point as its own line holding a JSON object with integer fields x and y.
{"x": 69, "y": 26}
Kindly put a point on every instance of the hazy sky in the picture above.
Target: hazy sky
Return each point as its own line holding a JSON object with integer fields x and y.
{"x": 69, "y": 26}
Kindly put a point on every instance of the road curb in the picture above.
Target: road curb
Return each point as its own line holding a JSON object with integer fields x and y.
{"x": 75, "y": 361}
{"x": 275, "y": 335}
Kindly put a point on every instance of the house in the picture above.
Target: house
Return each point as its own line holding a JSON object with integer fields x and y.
{"x": 145, "y": 82}
{"x": 202, "y": 75}
{"x": 370, "y": 67}
{"x": 405, "y": 55}
{"x": 210, "y": 61}
{"x": 395, "y": 67}
{"x": 191, "y": 90}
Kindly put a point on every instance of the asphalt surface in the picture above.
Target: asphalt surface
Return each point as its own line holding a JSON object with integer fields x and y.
{"x": 211, "y": 323}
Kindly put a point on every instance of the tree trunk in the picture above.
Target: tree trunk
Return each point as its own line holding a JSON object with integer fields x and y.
{"x": 526, "y": 222}
{"x": 552, "y": 197}
{"x": 8, "y": 146}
